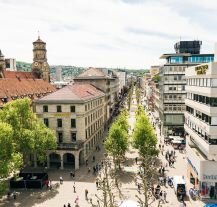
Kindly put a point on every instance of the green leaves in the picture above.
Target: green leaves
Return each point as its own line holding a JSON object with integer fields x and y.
{"x": 144, "y": 138}
{"x": 117, "y": 142}
{"x": 21, "y": 133}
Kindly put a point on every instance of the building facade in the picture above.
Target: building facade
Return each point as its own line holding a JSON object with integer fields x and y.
{"x": 122, "y": 76}
{"x": 200, "y": 127}
{"x": 105, "y": 81}
{"x": 172, "y": 84}
{"x": 76, "y": 114}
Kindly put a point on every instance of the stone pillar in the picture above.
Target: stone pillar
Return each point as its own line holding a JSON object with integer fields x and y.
{"x": 76, "y": 161}
{"x": 61, "y": 161}
{"x": 35, "y": 160}
{"x": 48, "y": 161}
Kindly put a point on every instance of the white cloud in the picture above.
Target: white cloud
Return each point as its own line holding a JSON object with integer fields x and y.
{"x": 117, "y": 33}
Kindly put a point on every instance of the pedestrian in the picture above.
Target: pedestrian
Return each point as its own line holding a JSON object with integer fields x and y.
{"x": 165, "y": 181}
{"x": 159, "y": 146}
{"x": 64, "y": 205}
{"x": 76, "y": 201}
{"x": 69, "y": 205}
{"x": 88, "y": 170}
{"x": 165, "y": 196}
{"x": 61, "y": 180}
{"x": 14, "y": 195}
{"x": 139, "y": 187}
{"x": 74, "y": 188}
{"x": 93, "y": 158}
{"x": 86, "y": 194}
{"x": 97, "y": 183}
{"x": 136, "y": 159}
{"x": 86, "y": 163}
{"x": 161, "y": 197}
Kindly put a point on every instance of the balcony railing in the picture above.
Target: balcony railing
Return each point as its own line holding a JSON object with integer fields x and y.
{"x": 70, "y": 146}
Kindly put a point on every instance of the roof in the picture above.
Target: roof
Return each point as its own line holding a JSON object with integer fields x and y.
{"x": 15, "y": 74}
{"x": 94, "y": 72}
{"x": 39, "y": 41}
{"x": 13, "y": 88}
{"x": 164, "y": 56}
{"x": 75, "y": 92}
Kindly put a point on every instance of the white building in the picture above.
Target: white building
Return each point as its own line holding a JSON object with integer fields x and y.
{"x": 201, "y": 127}
{"x": 122, "y": 80}
{"x": 10, "y": 64}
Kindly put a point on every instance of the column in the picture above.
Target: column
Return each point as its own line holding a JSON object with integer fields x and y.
{"x": 76, "y": 161}
{"x": 35, "y": 160}
{"x": 48, "y": 161}
{"x": 61, "y": 162}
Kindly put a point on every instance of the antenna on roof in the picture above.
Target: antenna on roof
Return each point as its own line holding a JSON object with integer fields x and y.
{"x": 38, "y": 34}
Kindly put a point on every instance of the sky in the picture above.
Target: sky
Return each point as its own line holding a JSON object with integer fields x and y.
{"x": 105, "y": 33}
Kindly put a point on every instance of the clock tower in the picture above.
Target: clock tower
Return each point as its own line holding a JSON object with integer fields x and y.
{"x": 40, "y": 67}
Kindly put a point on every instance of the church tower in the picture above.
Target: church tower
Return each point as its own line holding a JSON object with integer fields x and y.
{"x": 40, "y": 67}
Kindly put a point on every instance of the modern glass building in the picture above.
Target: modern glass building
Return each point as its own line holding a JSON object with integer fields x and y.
{"x": 172, "y": 85}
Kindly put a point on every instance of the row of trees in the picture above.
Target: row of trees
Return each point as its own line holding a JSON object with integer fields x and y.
{"x": 129, "y": 97}
{"x": 145, "y": 140}
{"x": 21, "y": 134}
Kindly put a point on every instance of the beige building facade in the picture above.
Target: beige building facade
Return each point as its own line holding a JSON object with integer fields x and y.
{"x": 76, "y": 114}
{"x": 201, "y": 127}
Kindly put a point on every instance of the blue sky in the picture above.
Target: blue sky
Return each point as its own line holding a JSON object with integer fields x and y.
{"x": 105, "y": 33}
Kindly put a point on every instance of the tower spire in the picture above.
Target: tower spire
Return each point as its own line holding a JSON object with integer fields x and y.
{"x": 38, "y": 34}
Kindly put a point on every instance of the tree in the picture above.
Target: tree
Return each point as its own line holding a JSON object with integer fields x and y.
{"x": 145, "y": 141}
{"x": 106, "y": 184}
{"x": 138, "y": 94}
{"x": 117, "y": 143}
{"x": 29, "y": 134}
{"x": 10, "y": 160}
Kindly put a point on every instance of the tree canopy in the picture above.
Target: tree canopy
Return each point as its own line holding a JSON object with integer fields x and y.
{"x": 21, "y": 133}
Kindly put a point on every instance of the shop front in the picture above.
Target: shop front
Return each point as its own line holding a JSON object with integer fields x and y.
{"x": 203, "y": 176}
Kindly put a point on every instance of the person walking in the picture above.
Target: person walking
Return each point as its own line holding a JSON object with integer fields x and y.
{"x": 69, "y": 205}
{"x": 86, "y": 194}
{"x": 136, "y": 159}
{"x": 61, "y": 180}
{"x": 165, "y": 196}
{"x": 74, "y": 188}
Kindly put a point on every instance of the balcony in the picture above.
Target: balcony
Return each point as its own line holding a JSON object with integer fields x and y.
{"x": 209, "y": 150}
{"x": 70, "y": 146}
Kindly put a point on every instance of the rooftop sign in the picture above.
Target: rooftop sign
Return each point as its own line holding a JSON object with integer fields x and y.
{"x": 201, "y": 69}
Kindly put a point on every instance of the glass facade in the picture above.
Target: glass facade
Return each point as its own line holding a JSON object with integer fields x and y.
{"x": 201, "y": 59}
{"x": 191, "y": 59}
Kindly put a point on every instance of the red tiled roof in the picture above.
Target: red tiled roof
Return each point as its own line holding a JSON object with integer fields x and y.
{"x": 75, "y": 92}
{"x": 13, "y": 88}
{"x": 92, "y": 72}
{"x": 15, "y": 74}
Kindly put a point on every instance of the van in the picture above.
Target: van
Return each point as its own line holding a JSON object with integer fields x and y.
{"x": 179, "y": 186}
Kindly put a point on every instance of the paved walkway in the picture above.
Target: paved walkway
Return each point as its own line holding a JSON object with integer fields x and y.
{"x": 84, "y": 180}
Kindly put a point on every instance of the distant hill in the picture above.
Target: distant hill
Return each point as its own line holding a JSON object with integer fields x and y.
{"x": 69, "y": 71}
{"x": 23, "y": 66}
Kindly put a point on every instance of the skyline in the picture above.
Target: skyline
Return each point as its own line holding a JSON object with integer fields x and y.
{"x": 105, "y": 33}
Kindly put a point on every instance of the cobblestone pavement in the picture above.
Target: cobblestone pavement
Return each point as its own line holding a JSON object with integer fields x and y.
{"x": 84, "y": 180}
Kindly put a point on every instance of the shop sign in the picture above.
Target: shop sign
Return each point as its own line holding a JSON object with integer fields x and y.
{"x": 201, "y": 69}
{"x": 193, "y": 167}
{"x": 210, "y": 177}
{"x": 62, "y": 114}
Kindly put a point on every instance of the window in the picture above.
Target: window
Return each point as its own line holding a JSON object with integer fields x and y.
{"x": 72, "y": 108}
{"x": 73, "y": 136}
{"x": 46, "y": 122}
{"x": 73, "y": 123}
{"x": 59, "y": 109}
{"x": 60, "y": 137}
{"x": 59, "y": 123}
{"x": 45, "y": 108}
